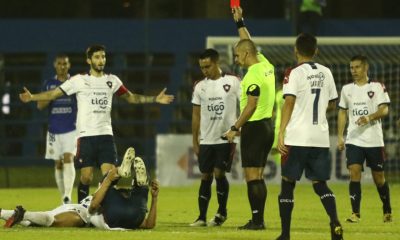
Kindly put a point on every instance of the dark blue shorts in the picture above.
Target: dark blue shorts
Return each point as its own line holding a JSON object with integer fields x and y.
{"x": 315, "y": 161}
{"x": 125, "y": 208}
{"x": 93, "y": 151}
{"x": 374, "y": 156}
{"x": 216, "y": 156}
{"x": 256, "y": 141}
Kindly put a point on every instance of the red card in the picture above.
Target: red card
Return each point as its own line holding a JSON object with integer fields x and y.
{"x": 235, "y": 3}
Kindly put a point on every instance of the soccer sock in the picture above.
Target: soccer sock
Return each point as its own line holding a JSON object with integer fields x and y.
{"x": 6, "y": 214}
{"x": 384, "y": 194}
{"x": 69, "y": 178}
{"x": 58, "y": 174}
{"x": 328, "y": 200}
{"x": 355, "y": 196}
{"x": 286, "y": 204}
{"x": 40, "y": 218}
{"x": 83, "y": 191}
{"x": 204, "y": 198}
{"x": 222, "y": 194}
{"x": 257, "y": 194}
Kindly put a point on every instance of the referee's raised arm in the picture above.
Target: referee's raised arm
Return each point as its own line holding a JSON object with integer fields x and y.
{"x": 238, "y": 17}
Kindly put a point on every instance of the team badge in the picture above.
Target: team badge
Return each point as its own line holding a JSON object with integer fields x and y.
{"x": 371, "y": 94}
{"x": 109, "y": 84}
{"x": 227, "y": 87}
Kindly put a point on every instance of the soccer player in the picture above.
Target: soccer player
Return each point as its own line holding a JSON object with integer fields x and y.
{"x": 94, "y": 92}
{"x": 257, "y": 131}
{"x": 277, "y": 120}
{"x": 364, "y": 103}
{"x": 129, "y": 205}
{"x": 61, "y": 134}
{"x": 215, "y": 108}
{"x": 125, "y": 208}
{"x": 303, "y": 141}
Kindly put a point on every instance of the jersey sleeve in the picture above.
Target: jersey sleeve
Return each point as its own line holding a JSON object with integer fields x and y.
{"x": 118, "y": 86}
{"x": 332, "y": 88}
{"x": 383, "y": 97}
{"x": 196, "y": 100}
{"x": 290, "y": 83}
{"x": 343, "y": 101}
{"x": 70, "y": 86}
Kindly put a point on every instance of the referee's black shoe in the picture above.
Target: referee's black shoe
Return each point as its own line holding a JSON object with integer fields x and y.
{"x": 252, "y": 226}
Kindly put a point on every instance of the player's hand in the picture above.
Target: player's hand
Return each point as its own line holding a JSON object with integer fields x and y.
{"x": 163, "y": 98}
{"x": 26, "y": 96}
{"x": 155, "y": 188}
{"x": 230, "y": 135}
{"x": 237, "y": 13}
{"x": 340, "y": 144}
{"x": 363, "y": 120}
{"x": 281, "y": 145}
{"x": 112, "y": 174}
{"x": 196, "y": 148}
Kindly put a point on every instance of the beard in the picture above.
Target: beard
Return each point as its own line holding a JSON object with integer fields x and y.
{"x": 98, "y": 69}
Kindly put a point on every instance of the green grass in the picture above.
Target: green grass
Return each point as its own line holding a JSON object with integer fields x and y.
{"x": 178, "y": 207}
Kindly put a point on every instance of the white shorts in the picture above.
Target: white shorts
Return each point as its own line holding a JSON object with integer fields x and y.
{"x": 81, "y": 210}
{"x": 58, "y": 144}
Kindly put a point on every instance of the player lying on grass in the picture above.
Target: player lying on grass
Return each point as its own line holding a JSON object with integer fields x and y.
{"x": 120, "y": 208}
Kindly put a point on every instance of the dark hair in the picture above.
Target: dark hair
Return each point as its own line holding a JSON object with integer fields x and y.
{"x": 210, "y": 53}
{"x": 94, "y": 48}
{"x": 61, "y": 55}
{"x": 362, "y": 58}
{"x": 306, "y": 44}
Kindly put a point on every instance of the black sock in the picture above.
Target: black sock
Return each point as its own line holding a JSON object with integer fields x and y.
{"x": 222, "y": 194}
{"x": 83, "y": 191}
{"x": 286, "y": 204}
{"x": 384, "y": 194}
{"x": 257, "y": 194}
{"x": 328, "y": 200}
{"x": 204, "y": 198}
{"x": 355, "y": 196}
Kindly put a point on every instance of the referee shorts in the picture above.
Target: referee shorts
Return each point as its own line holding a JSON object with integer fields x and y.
{"x": 256, "y": 141}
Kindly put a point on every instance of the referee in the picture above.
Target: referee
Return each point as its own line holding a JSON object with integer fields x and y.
{"x": 257, "y": 131}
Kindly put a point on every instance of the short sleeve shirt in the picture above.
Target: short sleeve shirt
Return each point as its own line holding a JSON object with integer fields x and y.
{"x": 94, "y": 96}
{"x": 362, "y": 101}
{"x": 259, "y": 81}
{"x": 313, "y": 86}
{"x": 218, "y": 100}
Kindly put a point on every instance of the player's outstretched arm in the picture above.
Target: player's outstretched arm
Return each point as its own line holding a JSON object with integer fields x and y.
{"x": 50, "y": 95}
{"x": 238, "y": 17}
{"x": 150, "y": 221}
{"x": 161, "y": 98}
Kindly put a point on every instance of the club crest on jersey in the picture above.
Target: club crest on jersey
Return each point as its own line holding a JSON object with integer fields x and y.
{"x": 371, "y": 94}
{"x": 109, "y": 84}
{"x": 227, "y": 87}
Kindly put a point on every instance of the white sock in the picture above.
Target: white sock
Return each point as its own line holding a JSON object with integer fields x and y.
{"x": 6, "y": 214}
{"x": 69, "y": 179}
{"x": 40, "y": 218}
{"x": 59, "y": 180}
{"x": 25, "y": 223}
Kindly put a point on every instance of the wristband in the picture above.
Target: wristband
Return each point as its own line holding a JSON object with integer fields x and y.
{"x": 240, "y": 23}
{"x": 234, "y": 129}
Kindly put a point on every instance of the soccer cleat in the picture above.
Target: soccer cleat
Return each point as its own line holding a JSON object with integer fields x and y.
{"x": 281, "y": 237}
{"x": 198, "y": 223}
{"x": 336, "y": 231}
{"x": 387, "y": 217}
{"x": 140, "y": 172}
{"x": 125, "y": 169}
{"x": 252, "y": 226}
{"x": 354, "y": 218}
{"x": 17, "y": 217}
{"x": 218, "y": 220}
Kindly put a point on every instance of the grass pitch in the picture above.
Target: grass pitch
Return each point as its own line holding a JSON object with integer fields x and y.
{"x": 178, "y": 207}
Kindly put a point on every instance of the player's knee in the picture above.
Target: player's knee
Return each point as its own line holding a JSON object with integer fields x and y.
{"x": 219, "y": 173}
{"x": 58, "y": 165}
{"x": 86, "y": 179}
{"x": 321, "y": 188}
{"x": 206, "y": 176}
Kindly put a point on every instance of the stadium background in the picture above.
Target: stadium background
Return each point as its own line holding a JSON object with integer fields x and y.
{"x": 152, "y": 44}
